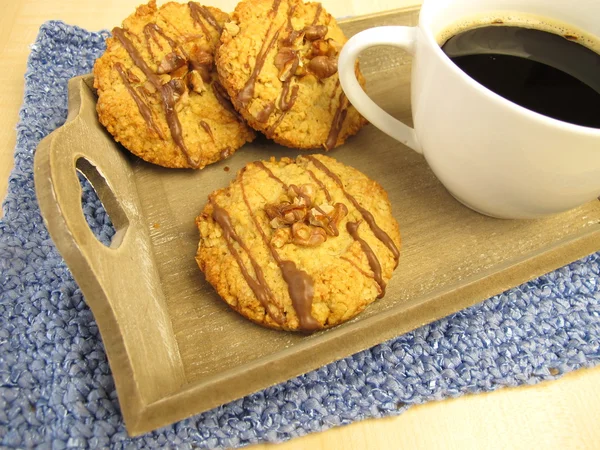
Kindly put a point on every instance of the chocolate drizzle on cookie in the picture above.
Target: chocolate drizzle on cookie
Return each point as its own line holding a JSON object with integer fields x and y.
{"x": 206, "y": 128}
{"x": 377, "y": 231}
{"x": 144, "y": 109}
{"x": 317, "y": 14}
{"x": 275, "y": 124}
{"x": 337, "y": 122}
{"x": 300, "y": 284}
{"x": 196, "y": 11}
{"x": 166, "y": 93}
{"x": 286, "y": 104}
{"x": 320, "y": 184}
{"x": 205, "y": 12}
{"x": 259, "y": 286}
{"x": 301, "y": 290}
{"x": 270, "y": 173}
{"x": 263, "y": 115}
{"x": 291, "y": 34}
{"x": 150, "y": 32}
{"x": 274, "y": 8}
{"x": 247, "y": 92}
{"x": 352, "y": 228}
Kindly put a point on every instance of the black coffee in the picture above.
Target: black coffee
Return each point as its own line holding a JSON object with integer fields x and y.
{"x": 541, "y": 71}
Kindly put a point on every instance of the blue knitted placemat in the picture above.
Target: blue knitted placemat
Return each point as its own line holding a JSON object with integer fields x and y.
{"x": 56, "y": 389}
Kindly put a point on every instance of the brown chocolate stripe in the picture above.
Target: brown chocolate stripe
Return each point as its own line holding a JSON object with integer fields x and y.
{"x": 291, "y": 34}
{"x": 321, "y": 184}
{"x": 317, "y": 14}
{"x": 352, "y": 228}
{"x": 275, "y": 124}
{"x": 247, "y": 92}
{"x": 206, "y": 128}
{"x": 271, "y": 174}
{"x": 263, "y": 115}
{"x": 284, "y": 103}
{"x": 259, "y": 286}
{"x": 196, "y": 13}
{"x": 290, "y": 14}
{"x": 143, "y": 108}
{"x": 357, "y": 267}
{"x": 333, "y": 92}
{"x": 209, "y": 17}
{"x": 274, "y": 8}
{"x": 300, "y": 284}
{"x": 337, "y": 122}
{"x": 166, "y": 93}
{"x": 150, "y": 32}
{"x": 377, "y": 231}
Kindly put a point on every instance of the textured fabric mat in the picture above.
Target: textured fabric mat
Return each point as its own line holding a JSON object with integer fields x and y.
{"x": 56, "y": 389}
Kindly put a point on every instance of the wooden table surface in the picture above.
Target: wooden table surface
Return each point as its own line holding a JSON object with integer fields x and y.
{"x": 553, "y": 415}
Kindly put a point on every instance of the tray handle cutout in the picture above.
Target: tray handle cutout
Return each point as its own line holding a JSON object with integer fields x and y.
{"x": 108, "y": 198}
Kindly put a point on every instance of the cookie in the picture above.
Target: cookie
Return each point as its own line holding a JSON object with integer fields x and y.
{"x": 278, "y": 62}
{"x": 298, "y": 245}
{"x": 158, "y": 92}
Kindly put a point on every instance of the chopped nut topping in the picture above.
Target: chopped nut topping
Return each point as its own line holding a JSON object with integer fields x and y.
{"x": 330, "y": 220}
{"x": 286, "y": 212}
{"x": 300, "y": 70}
{"x": 287, "y": 61}
{"x": 164, "y": 78}
{"x": 195, "y": 82}
{"x": 288, "y": 70}
{"x": 326, "y": 208}
{"x": 323, "y": 66}
{"x": 277, "y": 223}
{"x": 304, "y": 194}
{"x": 334, "y": 47}
{"x": 171, "y": 62}
{"x": 284, "y": 55}
{"x": 307, "y": 236}
{"x": 202, "y": 62}
{"x": 320, "y": 48}
{"x": 201, "y": 58}
{"x": 294, "y": 39}
{"x": 232, "y": 28}
{"x": 314, "y": 32}
{"x": 281, "y": 237}
{"x": 178, "y": 87}
{"x": 310, "y": 224}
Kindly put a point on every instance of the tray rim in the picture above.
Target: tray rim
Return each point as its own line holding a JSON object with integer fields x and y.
{"x": 142, "y": 416}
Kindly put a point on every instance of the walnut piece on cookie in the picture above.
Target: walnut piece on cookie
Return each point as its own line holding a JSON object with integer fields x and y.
{"x": 158, "y": 91}
{"x": 298, "y": 245}
{"x": 278, "y": 62}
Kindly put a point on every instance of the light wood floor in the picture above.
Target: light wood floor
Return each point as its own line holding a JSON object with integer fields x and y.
{"x": 555, "y": 415}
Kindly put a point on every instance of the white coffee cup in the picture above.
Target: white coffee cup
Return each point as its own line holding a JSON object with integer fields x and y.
{"x": 492, "y": 155}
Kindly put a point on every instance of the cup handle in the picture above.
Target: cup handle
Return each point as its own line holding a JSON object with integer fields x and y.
{"x": 397, "y": 36}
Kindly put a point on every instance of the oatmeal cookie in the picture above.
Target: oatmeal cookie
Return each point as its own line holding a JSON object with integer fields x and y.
{"x": 158, "y": 92}
{"x": 298, "y": 245}
{"x": 278, "y": 62}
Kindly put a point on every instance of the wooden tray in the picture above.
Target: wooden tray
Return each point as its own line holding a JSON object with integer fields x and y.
{"x": 175, "y": 349}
